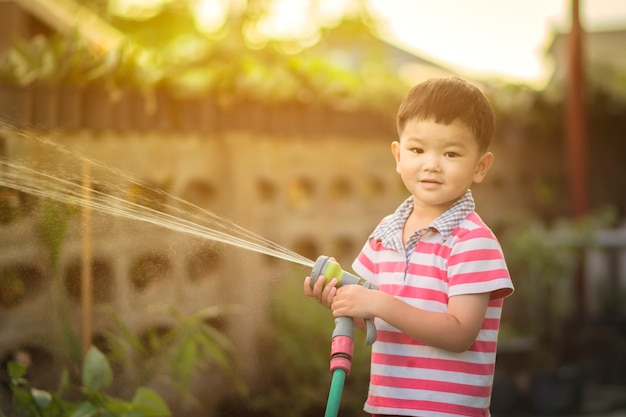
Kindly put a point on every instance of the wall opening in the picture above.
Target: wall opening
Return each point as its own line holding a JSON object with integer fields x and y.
{"x": 200, "y": 192}
{"x": 344, "y": 250}
{"x": 148, "y": 269}
{"x": 307, "y": 247}
{"x": 15, "y": 204}
{"x": 43, "y": 368}
{"x": 266, "y": 191}
{"x": 340, "y": 190}
{"x": 204, "y": 263}
{"x": 154, "y": 338}
{"x": 374, "y": 188}
{"x": 147, "y": 196}
{"x": 19, "y": 283}
{"x": 300, "y": 193}
{"x": 102, "y": 285}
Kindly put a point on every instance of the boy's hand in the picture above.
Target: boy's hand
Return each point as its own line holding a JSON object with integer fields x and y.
{"x": 324, "y": 294}
{"x": 355, "y": 301}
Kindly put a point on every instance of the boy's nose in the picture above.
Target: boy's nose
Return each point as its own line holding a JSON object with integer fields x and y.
{"x": 431, "y": 163}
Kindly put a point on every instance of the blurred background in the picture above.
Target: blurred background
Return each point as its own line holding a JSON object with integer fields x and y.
{"x": 146, "y": 145}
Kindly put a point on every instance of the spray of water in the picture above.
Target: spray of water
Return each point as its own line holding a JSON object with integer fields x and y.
{"x": 54, "y": 172}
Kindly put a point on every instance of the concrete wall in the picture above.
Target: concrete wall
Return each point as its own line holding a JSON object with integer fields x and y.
{"x": 311, "y": 195}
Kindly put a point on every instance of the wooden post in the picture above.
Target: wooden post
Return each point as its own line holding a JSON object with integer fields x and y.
{"x": 575, "y": 117}
{"x": 86, "y": 270}
{"x": 576, "y": 130}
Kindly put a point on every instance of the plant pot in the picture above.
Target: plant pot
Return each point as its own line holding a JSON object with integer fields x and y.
{"x": 314, "y": 120}
{"x": 253, "y": 116}
{"x": 45, "y": 106}
{"x": 97, "y": 108}
{"x": 163, "y": 115}
{"x": 123, "y": 112}
{"x": 143, "y": 109}
{"x": 15, "y": 104}
{"x": 69, "y": 111}
{"x": 197, "y": 115}
{"x": 286, "y": 118}
{"x": 208, "y": 116}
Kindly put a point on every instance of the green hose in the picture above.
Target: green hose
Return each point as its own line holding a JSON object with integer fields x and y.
{"x": 336, "y": 389}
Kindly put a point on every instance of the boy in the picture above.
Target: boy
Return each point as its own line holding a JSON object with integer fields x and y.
{"x": 440, "y": 271}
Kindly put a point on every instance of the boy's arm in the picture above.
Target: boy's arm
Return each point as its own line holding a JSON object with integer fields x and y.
{"x": 454, "y": 331}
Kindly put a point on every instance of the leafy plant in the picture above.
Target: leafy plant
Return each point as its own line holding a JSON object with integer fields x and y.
{"x": 24, "y": 61}
{"x": 175, "y": 354}
{"x": 55, "y": 222}
{"x": 543, "y": 260}
{"x": 91, "y": 398}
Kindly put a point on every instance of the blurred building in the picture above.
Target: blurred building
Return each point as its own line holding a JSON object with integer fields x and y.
{"x": 602, "y": 56}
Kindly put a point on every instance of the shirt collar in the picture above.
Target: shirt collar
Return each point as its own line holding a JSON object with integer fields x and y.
{"x": 389, "y": 232}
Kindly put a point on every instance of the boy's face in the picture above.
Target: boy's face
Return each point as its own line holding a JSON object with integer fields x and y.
{"x": 439, "y": 162}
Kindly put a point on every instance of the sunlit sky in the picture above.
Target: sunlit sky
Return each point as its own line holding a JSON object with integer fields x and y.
{"x": 504, "y": 38}
{"x": 498, "y": 38}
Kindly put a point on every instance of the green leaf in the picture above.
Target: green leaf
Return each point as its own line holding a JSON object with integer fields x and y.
{"x": 16, "y": 371}
{"x": 42, "y": 398}
{"x": 97, "y": 372}
{"x": 107, "y": 413}
{"x": 65, "y": 379}
{"x": 114, "y": 406}
{"x": 85, "y": 409}
{"x": 150, "y": 403}
{"x": 133, "y": 413}
{"x": 21, "y": 397}
{"x": 185, "y": 359}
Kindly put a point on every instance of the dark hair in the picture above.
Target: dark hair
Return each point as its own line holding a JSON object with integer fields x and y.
{"x": 445, "y": 100}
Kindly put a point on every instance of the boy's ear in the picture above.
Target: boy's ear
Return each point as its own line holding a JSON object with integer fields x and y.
{"x": 483, "y": 166}
{"x": 395, "y": 150}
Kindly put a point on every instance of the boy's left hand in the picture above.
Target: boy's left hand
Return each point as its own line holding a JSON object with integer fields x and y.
{"x": 355, "y": 301}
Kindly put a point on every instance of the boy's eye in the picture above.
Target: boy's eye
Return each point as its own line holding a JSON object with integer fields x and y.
{"x": 451, "y": 154}
{"x": 416, "y": 150}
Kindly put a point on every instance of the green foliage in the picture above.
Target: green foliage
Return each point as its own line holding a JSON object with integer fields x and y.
{"x": 92, "y": 399}
{"x": 192, "y": 344}
{"x": 299, "y": 371}
{"x": 22, "y": 63}
{"x": 53, "y": 60}
{"x": 97, "y": 372}
{"x": 543, "y": 261}
{"x": 55, "y": 222}
{"x": 168, "y": 52}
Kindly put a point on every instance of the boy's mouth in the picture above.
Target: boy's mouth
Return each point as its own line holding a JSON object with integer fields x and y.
{"x": 430, "y": 184}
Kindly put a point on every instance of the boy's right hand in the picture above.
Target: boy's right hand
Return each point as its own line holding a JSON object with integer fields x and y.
{"x": 324, "y": 294}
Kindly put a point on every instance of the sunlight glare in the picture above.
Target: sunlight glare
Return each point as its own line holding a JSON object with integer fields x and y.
{"x": 477, "y": 38}
{"x": 135, "y": 8}
{"x": 288, "y": 19}
{"x": 210, "y": 14}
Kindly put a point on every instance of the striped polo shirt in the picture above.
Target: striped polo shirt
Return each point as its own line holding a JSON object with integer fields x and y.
{"x": 456, "y": 254}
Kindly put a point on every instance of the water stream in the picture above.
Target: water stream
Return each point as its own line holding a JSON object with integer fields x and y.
{"x": 49, "y": 170}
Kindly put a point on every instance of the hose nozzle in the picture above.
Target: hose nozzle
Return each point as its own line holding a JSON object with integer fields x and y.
{"x": 329, "y": 269}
